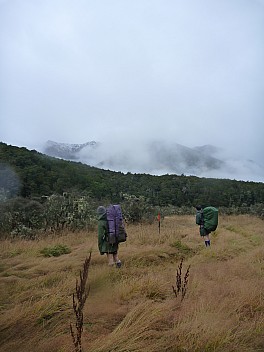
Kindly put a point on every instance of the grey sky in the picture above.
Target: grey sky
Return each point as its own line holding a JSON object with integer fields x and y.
{"x": 188, "y": 71}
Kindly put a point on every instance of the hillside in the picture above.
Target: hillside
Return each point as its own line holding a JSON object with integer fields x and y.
{"x": 31, "y": 174}
{"x": 159, "y": 157}
{"x": 134, "y": 308}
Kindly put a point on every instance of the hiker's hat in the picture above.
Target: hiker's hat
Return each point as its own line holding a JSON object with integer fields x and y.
{"x": 101, "y": 210}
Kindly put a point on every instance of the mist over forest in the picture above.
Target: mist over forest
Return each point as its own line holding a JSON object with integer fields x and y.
{"x": 159, "y": 157}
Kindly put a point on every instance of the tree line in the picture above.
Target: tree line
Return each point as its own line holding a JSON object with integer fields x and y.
{"x": 30, "y": 179}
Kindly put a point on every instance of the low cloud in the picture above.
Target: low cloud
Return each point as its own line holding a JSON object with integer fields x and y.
{"x": 127, "y": 73}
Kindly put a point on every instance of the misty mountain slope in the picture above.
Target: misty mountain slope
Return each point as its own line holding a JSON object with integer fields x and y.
{"x": 181, "y": 159}
{"x": 207, "y": 149}
{"x": 159, "y": 158}
{"x": 65, "y": 150}
{"x": 153, "y": 157}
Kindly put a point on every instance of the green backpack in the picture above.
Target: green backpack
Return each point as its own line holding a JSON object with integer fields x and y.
{"x": 210, "y": 218}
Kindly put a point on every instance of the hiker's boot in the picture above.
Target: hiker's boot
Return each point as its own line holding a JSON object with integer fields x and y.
{"x": 118, "y": 264}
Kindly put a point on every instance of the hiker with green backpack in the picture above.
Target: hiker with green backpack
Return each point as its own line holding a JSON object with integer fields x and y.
{"x": 207, "y": 218}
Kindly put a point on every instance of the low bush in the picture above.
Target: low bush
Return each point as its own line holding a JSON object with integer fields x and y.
{"x": 55, "y": 251}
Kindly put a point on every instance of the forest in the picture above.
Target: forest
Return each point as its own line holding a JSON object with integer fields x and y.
{"x": 40, "y": 192}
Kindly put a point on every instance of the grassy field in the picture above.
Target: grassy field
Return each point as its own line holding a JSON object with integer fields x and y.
{"x": 134, "y": 308}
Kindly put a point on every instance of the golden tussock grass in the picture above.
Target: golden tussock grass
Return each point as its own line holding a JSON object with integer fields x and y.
{"x": 134, "y": 308}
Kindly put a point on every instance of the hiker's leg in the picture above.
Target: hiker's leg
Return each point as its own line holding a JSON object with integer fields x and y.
{"x": 110, "y": 258}
{"x": 205, "y": 235}
{"x": 115, "y": 256}
{"x": 207, "y": 240}
{"x": 117, "y": 260}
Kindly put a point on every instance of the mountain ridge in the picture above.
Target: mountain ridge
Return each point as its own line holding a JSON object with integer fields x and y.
{"x": 156, "y": 155}
{"x": 157, "y": 158}
{"x": 65, "y": 150}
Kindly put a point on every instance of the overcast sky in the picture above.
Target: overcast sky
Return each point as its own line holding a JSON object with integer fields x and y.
{"x": 190, "y": 71}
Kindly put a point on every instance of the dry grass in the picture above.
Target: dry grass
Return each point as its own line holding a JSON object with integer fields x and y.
{"x": 134, "y": 308}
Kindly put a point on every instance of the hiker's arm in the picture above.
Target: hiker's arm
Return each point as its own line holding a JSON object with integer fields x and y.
{"x": 102, "y": 232}
{"x": 198, "y": 218}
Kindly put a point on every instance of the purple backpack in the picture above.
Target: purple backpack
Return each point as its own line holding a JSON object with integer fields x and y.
{"x": 116, "y": 230}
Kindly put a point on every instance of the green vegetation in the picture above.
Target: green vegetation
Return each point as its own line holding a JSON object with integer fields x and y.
{"x": 37, "y": 175}
{"x": 44, "y": 194}
{"x": 182, "y": 248}
{"x": 55, "y": 251}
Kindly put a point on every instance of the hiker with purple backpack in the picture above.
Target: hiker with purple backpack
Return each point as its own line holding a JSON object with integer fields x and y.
{"x": 107, "y": 241}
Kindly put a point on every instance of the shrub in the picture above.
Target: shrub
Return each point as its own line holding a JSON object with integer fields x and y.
{"x": 55, "y": 251}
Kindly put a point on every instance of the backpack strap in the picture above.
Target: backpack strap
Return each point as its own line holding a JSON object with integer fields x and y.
{"x": 202, "y": 217}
